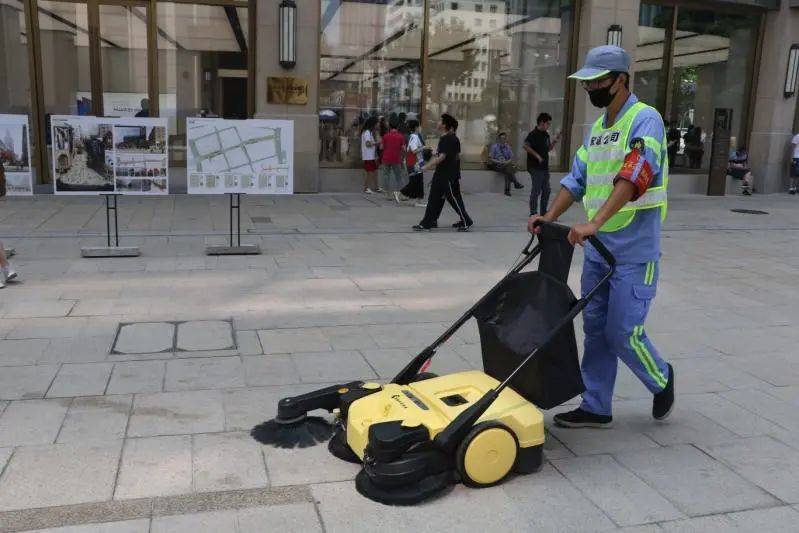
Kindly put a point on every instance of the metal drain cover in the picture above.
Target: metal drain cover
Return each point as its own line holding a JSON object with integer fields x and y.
{"x": 749, "y": 211}
{"x": 261, "y": 220}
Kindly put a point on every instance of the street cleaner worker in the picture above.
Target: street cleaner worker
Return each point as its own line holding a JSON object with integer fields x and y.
{"x": 620, "y": 173}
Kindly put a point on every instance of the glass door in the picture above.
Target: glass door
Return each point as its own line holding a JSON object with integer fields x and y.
{"x": 123, "y": 60}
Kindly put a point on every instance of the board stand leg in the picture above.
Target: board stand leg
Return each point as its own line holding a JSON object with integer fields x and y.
{"x": 234, "y": 246}
{"x": 110, "y": 250}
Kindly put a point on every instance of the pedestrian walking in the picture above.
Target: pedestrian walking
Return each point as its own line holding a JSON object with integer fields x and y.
{"x": 369, "y": 155}
{"x": 446, "y": 179}
{"x": 619, "y": 175}
{"x": 500, "y": 158}
{"x": 795, "y": 165}
{"x": 414, "y": 161}
{"x": 538, "y": 145}
{"x": 392, "y": 146}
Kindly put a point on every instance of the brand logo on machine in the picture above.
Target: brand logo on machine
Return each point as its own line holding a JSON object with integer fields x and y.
{"x": 397, "y": 398}
{"x": 605, "y": 138}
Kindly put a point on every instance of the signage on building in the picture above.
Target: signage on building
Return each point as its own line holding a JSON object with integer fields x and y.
{"x": 286, "y": 90}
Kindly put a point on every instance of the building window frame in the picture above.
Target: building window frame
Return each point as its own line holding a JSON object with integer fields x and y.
{"x": 753, "y": 61}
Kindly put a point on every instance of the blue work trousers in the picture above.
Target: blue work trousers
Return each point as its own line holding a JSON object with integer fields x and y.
{"x": 613, "y": 322}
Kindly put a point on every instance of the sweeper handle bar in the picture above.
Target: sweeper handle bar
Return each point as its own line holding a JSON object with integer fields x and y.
{"x": 411, "y": 370}
{"x": 448, "y": 439}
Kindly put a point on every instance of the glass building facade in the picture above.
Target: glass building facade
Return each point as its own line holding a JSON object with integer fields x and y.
{"x": 493, "y": 64}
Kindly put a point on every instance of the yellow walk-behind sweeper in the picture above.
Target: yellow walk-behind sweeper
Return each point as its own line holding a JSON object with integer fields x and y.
{"x": 421, "y": 433}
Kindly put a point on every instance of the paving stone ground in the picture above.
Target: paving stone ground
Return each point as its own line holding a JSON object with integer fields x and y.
{"x": 128, "y": 387}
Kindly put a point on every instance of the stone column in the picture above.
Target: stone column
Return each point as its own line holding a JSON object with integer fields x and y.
{"x": 305, "y": 117}
{"x": 597, "y": 16}
{"x": 770, "y": 141}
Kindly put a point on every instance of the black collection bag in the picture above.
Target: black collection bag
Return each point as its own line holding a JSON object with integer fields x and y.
{"x": 520, "y": 316}
{"x": 2, "y": 181}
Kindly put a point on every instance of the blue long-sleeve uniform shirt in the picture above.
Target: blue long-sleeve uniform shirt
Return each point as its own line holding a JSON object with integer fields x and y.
{"x": 639, "y": 242}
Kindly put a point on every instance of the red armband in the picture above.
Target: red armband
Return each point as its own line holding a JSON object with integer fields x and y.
{"x": 637, "y": 170}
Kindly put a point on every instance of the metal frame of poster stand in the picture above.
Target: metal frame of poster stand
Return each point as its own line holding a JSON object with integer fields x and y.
{"x": 110, "y": 250}
{"x": 234, "y": 248}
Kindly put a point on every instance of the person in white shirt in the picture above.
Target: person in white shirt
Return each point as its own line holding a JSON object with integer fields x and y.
{"x": 414, "y": 161}
{"x": 795, "y": 165}
{"x": 369, "y": 155}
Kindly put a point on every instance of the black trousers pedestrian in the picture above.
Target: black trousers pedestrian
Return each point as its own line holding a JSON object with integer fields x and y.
{"x": 506, "y": 170}
{"x": 415, "y": 186}
{"x": 540, "y": 188}
{"x": 442, "y": 188}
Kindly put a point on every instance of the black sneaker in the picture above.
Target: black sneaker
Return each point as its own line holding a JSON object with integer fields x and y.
{"x": 791, "y": 191}
{"x": 419, "y": 227}
{"x": 507, "y": 193}
{"x": 664, "y": 400}
{"x": 458, "y": 224}
{"x": 518, "y": 185}
{"x": 583, "y": 419}
{"x": 466, "y": 227}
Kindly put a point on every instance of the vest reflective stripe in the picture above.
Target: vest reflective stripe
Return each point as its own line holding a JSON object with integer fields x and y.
{"x": 606, "y": 151}
{"x": 607, "y": 155}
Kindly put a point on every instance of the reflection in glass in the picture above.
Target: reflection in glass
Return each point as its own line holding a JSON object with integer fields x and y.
{"x": 15, "y": 97}
{"x": 64, "y": 39}
{"x": 202, "y": 62}
{"x": 654, "y": 30}
{"x": 370, "y": 65}
{"x": 123, "y": 55}
{"x": 497, "y": 76}
{"x": 712, "y": 62}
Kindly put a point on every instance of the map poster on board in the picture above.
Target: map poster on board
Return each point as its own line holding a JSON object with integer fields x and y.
{"x": 240, "y": 156}
{"x": 95, "y": 155}
{"x": 15, "y": 154}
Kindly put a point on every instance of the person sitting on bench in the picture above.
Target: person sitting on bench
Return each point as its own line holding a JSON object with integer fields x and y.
{"x": 500, "y": 158}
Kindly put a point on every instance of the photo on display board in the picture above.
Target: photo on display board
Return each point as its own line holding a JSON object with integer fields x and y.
{"x": 82, "y": 154}
{"x": 239, "y": 156}
{"x": 93, "y": 155}
{"x": 15, "y": 154}
{"x": 141, "y": 160}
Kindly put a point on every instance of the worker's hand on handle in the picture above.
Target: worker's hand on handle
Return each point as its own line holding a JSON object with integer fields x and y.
{"x": 531, "y": 223}
{"x": 580, "y": 232}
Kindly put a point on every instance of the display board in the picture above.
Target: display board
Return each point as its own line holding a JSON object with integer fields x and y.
{"x": 15, "y": 154}
{"x": 240, "y": 156}
{"x": 95, "y": 155}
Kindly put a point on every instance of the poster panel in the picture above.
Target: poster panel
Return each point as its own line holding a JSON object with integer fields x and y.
{"x": 15, "y": 154}
{"x": 253, "y": 156}
{"x": 96, "y": 155}
{"x": 141, "y": 160}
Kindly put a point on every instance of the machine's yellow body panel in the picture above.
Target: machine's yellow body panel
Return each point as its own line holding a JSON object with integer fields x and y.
{"x": 421, "y": 403}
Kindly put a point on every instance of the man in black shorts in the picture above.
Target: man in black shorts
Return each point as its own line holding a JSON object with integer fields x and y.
{"x": 446, "y": 179}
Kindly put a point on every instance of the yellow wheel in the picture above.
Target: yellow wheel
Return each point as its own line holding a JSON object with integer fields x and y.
{"x": 487, "y": 454}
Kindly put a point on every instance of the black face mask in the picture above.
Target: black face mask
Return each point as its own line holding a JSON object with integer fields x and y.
{"x": 601, "y": 97}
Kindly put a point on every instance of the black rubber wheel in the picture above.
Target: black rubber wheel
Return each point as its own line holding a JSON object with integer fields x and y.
{"x": 412, "y": 494}
{"x": 424, "y": 376}
{"x": 460, "y": 454}
{"x": 339, "y": 448}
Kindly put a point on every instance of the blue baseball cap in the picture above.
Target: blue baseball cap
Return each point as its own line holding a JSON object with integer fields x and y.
{"x": 603, "y": 60}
